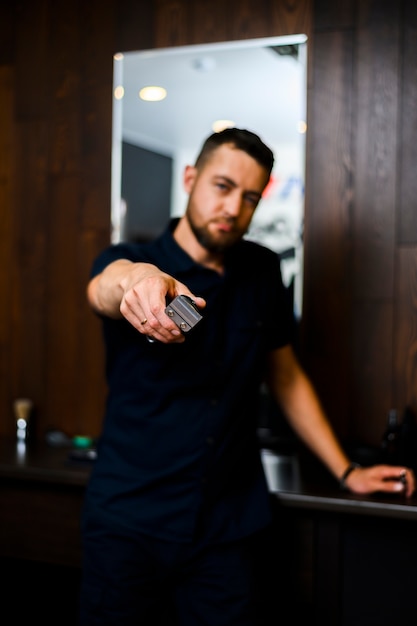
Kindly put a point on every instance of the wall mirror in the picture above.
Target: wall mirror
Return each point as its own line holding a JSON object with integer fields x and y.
{"x": 256, "y": 84}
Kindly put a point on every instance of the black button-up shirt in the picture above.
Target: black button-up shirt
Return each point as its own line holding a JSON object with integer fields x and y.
{"x": 178, "y": 454}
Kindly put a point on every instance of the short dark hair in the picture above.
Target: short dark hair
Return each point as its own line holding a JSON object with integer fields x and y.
{"x": 241, "y": 139}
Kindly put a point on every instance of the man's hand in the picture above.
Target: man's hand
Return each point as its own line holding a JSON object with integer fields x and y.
{"x": 383, "y": 478}
{"x": 139, "y": 292}
{"x": 144, "y": 301}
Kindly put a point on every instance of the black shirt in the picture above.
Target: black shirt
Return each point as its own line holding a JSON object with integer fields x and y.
{"x": 178, "y": 454}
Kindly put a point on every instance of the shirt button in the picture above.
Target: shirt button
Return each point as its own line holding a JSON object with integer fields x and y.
{"x": 210, "y": 441}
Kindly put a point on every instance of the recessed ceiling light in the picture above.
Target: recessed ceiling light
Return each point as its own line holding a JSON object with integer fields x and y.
{"x": 220, "y": 125}
{"x": 152, "y": 93}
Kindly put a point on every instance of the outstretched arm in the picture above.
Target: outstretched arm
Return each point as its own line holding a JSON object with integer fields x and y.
{"x": 138, "y": 292}
{"x": 294, "y": 392}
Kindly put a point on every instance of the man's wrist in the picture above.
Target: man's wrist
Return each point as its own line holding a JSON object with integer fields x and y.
{"x": 346, "y": 473}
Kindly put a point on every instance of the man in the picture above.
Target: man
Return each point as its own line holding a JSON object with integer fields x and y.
{"x": 177, "y": 494}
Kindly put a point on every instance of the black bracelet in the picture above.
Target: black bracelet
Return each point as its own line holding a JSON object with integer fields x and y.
{"x": 348, "y": 470}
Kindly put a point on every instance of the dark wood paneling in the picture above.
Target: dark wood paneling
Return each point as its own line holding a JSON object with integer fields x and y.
{"x": 334, "y": 14}
{"x": 32, "y": 62}
{"x": 372, "y": 358}
{"x": 184, "y": 22}
{"x": 405, "y": 331}
{"x": 134, "y": 25}
{"x": 28, "y": 264}
{"x": 7, "y": 215}
{"x": 328, "y": 240}
{"x": 7, "y": 33}
{"x": 376, "y": 118}
{"x": 407, "y": 197}
{"x": 375, "y": 175}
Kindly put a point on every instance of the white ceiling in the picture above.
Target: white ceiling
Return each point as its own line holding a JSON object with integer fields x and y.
{"x": 246, "y": 82}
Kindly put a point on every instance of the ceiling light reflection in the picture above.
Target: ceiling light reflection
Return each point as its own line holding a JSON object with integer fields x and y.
{"x": 220, "y": 125}
{"x": 119, "y": 92}
{"x": 152, "y": 93}
{"x": 301, "y": 127}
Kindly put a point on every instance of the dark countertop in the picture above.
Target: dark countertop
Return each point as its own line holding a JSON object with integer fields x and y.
{"x": 310, "y": 487}
{"x": 295, "y": 484}
{"x": 40, "y": 462}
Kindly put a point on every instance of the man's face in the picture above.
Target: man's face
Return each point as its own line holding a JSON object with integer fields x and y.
{"x": 223, "y": 195}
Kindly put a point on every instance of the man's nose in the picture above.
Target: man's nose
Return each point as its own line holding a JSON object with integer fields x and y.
{"x": 233, "y": 205}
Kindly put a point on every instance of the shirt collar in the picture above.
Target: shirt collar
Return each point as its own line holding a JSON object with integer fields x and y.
{"x": 173, "y": 250}
{"x": 182, "y": 259}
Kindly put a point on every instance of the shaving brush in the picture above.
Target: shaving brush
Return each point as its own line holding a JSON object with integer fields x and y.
{"x": 22, "y": 408}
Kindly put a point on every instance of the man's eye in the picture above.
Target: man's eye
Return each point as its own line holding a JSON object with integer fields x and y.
{"x": 222, "y": 186}
{"x": 252, "y": 200}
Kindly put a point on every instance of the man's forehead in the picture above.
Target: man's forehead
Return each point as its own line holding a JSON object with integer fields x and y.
{"x": 231, "y": 162}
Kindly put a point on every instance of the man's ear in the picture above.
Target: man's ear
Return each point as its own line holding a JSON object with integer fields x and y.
{"x": 190, "y": 174}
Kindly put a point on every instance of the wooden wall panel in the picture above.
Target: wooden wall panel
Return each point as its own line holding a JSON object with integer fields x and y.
{"x": 63, "y": 349}
{"x": 184, "y": 22}
{"x": 7, "y": 210}
{"x": 66, "y": 144}
{"x": 327, "y": 292}
{"x": 372, "y": 369}
{"x": 28, "y": 263}
{"x": 376, "y": 119}
{"x": 32, "y": 31}
{"x": 134, "y": 25}
{"x": 407, "y": 196}
{"x": 291, "y": 16}
{"x": 334, "y": 14}
{"x": 7, "y": 34}
{"x": 375, "y": 175}
{"x": 405, "y": 331}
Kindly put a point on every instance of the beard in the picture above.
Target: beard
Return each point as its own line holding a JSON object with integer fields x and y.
{"x": 215, "y": 245}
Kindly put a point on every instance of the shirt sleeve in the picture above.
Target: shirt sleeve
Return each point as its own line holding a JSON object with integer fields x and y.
{"x": 282, "y": 319}
{"x": 264, "y": 270}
